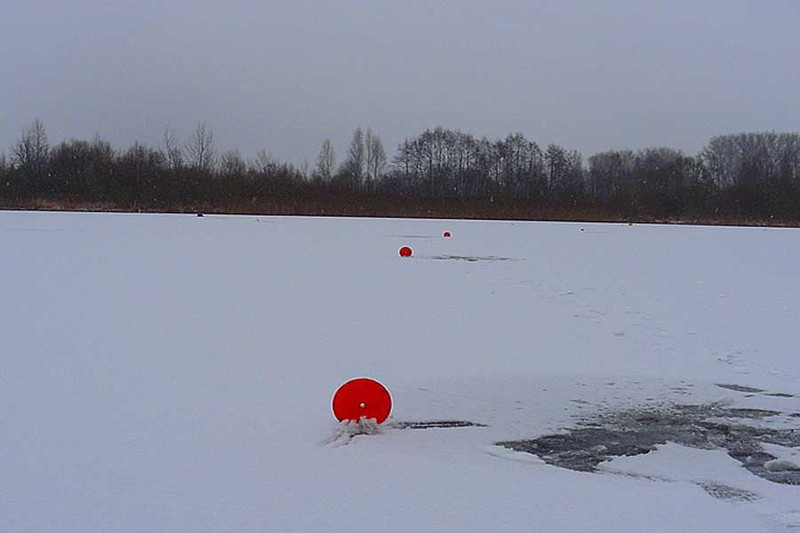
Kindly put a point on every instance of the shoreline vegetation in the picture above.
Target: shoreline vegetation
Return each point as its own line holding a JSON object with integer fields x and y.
{"x": 747, "y": 179}
{"x": 443, "y": 210}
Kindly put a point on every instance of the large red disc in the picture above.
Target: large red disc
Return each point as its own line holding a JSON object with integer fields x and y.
{"x": 362, "y": 398}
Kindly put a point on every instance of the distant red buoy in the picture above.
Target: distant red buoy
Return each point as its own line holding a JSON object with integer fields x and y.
{"x": 447, "y": 234}
{"x": 405, "y": 251}
{"x": 362, "y": 398}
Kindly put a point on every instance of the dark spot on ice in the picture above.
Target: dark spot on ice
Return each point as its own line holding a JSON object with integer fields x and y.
{"x": 431, "y": 424}
{"x": 737, "y": 388}
{"x": 472, "y": 259}
{"x": 752, "y": 413}
{"x": 638, "y": 431}
{"x": 780, "y": 394}
{"x": 727, "y": 493}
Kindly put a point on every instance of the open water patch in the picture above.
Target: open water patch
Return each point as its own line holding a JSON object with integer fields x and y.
{"x": 639, "y": 431}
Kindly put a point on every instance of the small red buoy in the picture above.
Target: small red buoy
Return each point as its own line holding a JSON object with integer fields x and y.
{"x": 405, "y": 251}
{"x": 362, "y": 398}
{"x": 447, "y": 234}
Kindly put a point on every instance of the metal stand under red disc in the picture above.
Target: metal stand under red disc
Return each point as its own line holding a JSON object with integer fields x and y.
{"x": 362, "y": 398}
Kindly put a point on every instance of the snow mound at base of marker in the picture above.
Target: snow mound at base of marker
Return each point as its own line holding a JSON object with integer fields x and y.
{"x": 347, "y": 429}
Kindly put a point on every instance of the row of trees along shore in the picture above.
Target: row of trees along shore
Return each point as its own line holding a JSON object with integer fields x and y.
{"x": 738, "y": 178}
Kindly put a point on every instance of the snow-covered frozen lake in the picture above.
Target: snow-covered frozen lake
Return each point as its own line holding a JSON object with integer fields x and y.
{"x": 174, "y": 373}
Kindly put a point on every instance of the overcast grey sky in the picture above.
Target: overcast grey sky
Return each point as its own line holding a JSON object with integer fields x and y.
{"x": 590, "y": 75}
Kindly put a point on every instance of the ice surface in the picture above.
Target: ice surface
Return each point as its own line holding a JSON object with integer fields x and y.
{"x": 174, "y": 373}
{"x": 786, "y": 458}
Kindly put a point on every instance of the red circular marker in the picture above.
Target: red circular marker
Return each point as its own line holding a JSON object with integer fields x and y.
{"x": 405, "y": 251}
{"x": 362, "y": 398}
{"x": 447, "y": 234}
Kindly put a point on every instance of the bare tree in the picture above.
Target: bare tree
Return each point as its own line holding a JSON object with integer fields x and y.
{"x": 302, "y": 171}
{"x": 138, "y": 168}
{"x": 611, "y": 173}
{"x": 449, "y": 163}
{"x": 355, "y": 164}
{"x": 367, "y": 156}
{"x": 30, "y": 153}
{"x": 233, "y": 164}
{"x": 556, "y": 164}
{"x": 5, "y": 176}
{"x": 326, "y": 161}
{"x": 200, "y": 148}
{"x": 521, "y": 166}
{"x": 752, "y": 159}
{"x": 264, "y": 163}
{"x": 78, "y": 167}
{"x": 564, "y": 172}
{"x": 172, "y": 152}
{"x": 375, "y": 156}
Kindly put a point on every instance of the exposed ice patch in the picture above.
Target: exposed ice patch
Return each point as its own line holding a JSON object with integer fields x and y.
{"x": 781, "y": 465}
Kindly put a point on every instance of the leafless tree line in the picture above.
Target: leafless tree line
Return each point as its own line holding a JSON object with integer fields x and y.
{"x": 740, "y": 175}
{"x": 450, "y": 163}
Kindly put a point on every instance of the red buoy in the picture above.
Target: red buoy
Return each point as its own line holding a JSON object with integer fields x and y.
{"x": 362, "y": 398}
{"x": 447, "y": 234}
{"x": 405, "y": 251}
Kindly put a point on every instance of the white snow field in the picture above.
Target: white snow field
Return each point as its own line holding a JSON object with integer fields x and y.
{"x": 170, "y": 373}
